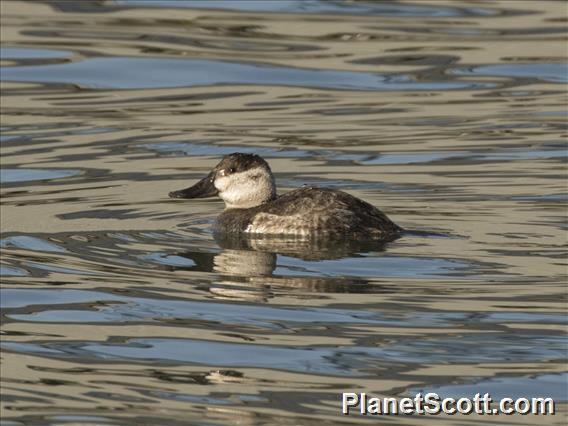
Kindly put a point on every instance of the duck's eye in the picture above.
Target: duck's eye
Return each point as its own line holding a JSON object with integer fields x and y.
{"x": 230, "y": 170}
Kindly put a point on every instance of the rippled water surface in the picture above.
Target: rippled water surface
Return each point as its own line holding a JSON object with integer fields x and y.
{"x": 119, "y": 306}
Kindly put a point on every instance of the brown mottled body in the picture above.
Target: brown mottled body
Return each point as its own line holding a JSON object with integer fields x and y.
{"x": 308, "y": 211}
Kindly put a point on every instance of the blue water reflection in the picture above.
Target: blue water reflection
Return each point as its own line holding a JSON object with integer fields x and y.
{"x": 140, "y": 73}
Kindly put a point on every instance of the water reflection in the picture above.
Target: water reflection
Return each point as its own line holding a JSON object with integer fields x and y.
{"x": 316, "y": 248}
{"x": 26, "y": 175}
{"x": 138, "y": 73}
{"x": 319, "y": 7}
{"x": 238, "y": 266}
{"x": 249, "y": 267}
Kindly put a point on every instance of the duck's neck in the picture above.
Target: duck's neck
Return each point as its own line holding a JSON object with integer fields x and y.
{"x": 249, "y": 203}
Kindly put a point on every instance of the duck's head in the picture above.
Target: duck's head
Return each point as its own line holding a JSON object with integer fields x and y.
{"x": 241, "y": 180}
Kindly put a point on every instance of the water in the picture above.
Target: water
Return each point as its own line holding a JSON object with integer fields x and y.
{"x": 119, "y": 306}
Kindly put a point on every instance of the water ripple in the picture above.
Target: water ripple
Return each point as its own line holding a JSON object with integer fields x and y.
{"x": 139, "y": 73}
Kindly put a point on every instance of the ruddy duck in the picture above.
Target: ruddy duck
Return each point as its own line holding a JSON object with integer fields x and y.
{"x": 246, "y": 184}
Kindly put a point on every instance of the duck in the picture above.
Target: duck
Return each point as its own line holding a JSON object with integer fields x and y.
{"x": 246, "y": 184}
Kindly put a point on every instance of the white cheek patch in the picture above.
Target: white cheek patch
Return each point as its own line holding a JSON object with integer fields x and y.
{"x": 245, "y": 189}
{"x": 239, "y": 182}
{"x": 222, "y": 183}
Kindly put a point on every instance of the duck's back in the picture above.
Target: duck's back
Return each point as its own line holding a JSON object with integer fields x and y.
{"x": 310, "y": 211}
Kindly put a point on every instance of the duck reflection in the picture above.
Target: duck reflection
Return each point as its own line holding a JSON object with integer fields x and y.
{"x": 249, "y": 269}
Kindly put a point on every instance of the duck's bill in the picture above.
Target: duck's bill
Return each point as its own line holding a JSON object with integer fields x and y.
{"x": 202, "y": 189}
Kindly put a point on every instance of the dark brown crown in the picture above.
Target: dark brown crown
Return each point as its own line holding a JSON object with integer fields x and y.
{"x": 239, "y": 162}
